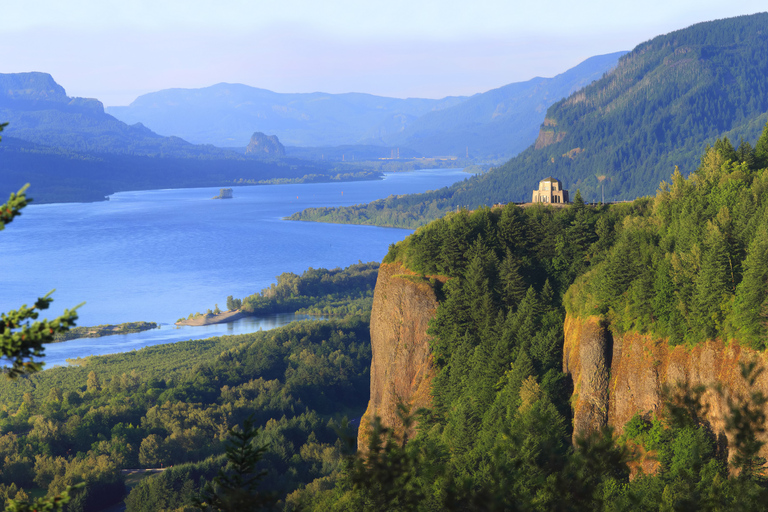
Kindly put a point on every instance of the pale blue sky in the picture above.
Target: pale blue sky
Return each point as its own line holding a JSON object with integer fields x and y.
{"x": 117, "y": 50}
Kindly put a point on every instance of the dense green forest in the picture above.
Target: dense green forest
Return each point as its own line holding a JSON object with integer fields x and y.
{"x": 693, "y": 265}
{"x": 659, "y": 108}
{"x": 685, "y": 265}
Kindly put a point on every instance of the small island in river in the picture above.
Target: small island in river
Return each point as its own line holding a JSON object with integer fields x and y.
{"x": 104, "y": 330}
{"x": 224, "y": 193}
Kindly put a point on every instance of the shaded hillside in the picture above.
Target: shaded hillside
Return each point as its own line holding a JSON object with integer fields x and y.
{"x": 70, "y": 150}
{"x": 59, "y": 175}
{"x": 499, "y": 123}
{"x": 660, "y": 107}
{"x": 227, "y": 114}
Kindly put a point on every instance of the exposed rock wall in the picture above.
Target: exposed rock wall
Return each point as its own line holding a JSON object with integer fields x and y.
{"x": 401, "y": 369}
{"x": 616, "y": 377}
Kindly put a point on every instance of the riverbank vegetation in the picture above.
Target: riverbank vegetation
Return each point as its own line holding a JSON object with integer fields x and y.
{"x": 334, "y": 292}
{"x": 104, "y": 330}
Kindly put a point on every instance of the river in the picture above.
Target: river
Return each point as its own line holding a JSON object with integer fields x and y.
{"x": 162, "y": 254}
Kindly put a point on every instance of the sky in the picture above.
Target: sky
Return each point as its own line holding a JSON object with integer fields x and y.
{"x": 117, "y": 50}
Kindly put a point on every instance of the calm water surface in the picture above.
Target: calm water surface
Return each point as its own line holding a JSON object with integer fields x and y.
{"x": 160, "y": 255}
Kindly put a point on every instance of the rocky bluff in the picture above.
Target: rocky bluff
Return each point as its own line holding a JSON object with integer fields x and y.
{"x": 262, "y": 144}
{"x": 616, "y": 376}
{"x": 401, "y": 369}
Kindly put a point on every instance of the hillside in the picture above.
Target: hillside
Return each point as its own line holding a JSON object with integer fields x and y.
{"x": 550, "y": 324}
{"x": 38, "y": 110}
{"x": 662, "y": 104}
{"x": 523, "y": 330}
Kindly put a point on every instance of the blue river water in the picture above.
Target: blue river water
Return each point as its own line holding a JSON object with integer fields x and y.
{"x": 162, "y": 254}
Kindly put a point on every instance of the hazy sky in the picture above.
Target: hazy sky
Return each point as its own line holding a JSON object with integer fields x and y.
{"x": 118, "y": 50}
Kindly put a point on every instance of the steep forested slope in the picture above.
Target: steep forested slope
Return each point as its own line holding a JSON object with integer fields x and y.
{"x": 660, "y": 107}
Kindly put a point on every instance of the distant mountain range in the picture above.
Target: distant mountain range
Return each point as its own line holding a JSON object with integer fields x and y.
{"x": 495, "y": 124}
{"x": 228, "y": 114}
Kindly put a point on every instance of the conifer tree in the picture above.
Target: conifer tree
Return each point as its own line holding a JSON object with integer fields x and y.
{"x": 761, "y": 150}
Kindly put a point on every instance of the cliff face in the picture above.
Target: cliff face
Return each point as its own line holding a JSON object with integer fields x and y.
{"x": 615, "y": 377}
{"x": 401, "y": 369}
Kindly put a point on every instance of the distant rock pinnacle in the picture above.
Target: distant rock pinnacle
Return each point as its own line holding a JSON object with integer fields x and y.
{"x": 264, "y": 145}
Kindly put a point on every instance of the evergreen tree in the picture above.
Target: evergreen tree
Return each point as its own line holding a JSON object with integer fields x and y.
{"x": 712, "y": 285}
{"x": 761, "y": 150}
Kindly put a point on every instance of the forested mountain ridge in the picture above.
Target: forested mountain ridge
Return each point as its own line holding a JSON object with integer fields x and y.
{"x": 663, "y": 103}
{"x": 657, "y": 109}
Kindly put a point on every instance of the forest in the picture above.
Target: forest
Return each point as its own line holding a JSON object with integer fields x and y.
{"x": 171, "y": 406}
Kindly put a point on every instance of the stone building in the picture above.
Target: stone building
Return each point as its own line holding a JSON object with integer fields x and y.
{"x": 550, "y": 191}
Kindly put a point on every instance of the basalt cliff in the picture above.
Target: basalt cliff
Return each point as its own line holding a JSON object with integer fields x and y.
{"x": 616, "y": 376}
{"x": 401, "y": 368}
